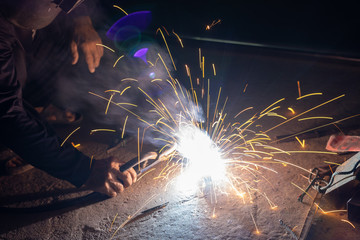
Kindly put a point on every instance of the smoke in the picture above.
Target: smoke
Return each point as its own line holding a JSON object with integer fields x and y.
{"x": 146, "y": 93}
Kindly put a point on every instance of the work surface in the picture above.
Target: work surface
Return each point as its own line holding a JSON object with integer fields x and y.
{"x": 250, "y": 78}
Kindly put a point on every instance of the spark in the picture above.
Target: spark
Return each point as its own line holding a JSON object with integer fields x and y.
{"x": 157, "y": 79}
{"x": 312, "y": 129}
{"x": 167, "y": 69}
{"x": 132, "y": 215}
{"x": 75, "y": 145}
{"x": 113, "y": 222}
{"x": 165, "y": 30}
{"x": 347, "y": 221}
{"x": 215, "y": 22}
{"x": 217, "y": 103}
{"x": 266, "y": 153}
{"x": 274, "y": 148}
{"x": 311, "y": 109}
{"x": 104, "y": 46}
{"x": 299, "y": 90}
{"x": 107, "y": 106}
{"x": 203, "y": 66}
{"x": 91, "y": 160}
{"x": 179, "y": 39}
{"x": 144, "y": 174}
{"x": 332, "y": 163}
{"x": 129, "y": 79}
{"x": 294, "y": 165}
{"x": 116, "y": 6}
{"x": 208, "y": 102}
{"x": 189, "y": 75}
{"x": 310, "y": 118}
{"x": 123, "y": 130}
{"x": 272, "y": 114}
{"x": 213, "y": 214}
{"x": 339, "y": 128}
{"x": 111, "y": 90}
{"x": 291, "y": 110}
{"x": 118, "y": 60}
{"x": 213, "y": 65}
{"x": 331, "y": 211}
{"x": 101, "y": 130}
{"x": 200, "y": 58}
{"x": 302, "y": 143}
{"x": 327, "y": 212}
{"x": 303, "y": 190}
{"x": 245, "y": 88}
{"x": 97, "y": 95}
{"x": 69, "y": 136}
{"x": 308, "y": 95}
{"x": 167, "y": 47}
{"x": 320, "y": 152}
{"x": 280, "y": 100}
{"x": 138, "y": 147}
{"x": 122, "y": 92}
{"x": 256, "y": 227}
{"x": 249, "y": 108}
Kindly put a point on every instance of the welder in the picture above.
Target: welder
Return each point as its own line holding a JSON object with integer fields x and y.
{"x": 31, "y": 34}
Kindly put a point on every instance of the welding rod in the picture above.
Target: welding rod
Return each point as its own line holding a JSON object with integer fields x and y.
{"x": 147, "y": 161}
{"x": 301, "y": 50}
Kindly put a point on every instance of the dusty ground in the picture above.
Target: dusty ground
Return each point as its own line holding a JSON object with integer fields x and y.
{"x": 270, "y": 76}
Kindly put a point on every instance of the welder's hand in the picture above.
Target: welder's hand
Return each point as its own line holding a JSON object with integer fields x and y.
{"x": 86, "y": 38}
{"x": 106, "y": 177}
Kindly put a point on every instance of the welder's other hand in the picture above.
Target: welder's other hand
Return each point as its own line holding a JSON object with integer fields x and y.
{"x": 86, "y": 38}
{"x": 106, "y": 177}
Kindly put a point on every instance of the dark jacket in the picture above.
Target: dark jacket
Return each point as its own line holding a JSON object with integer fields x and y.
{"x": 21, "y": 128}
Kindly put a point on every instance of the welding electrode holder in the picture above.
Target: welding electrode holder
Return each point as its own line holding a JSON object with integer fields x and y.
{"x": 137, "y": 164}
{"x": 320, "y": 185}
{"x": 331, "y": 181}
{"x": 314, "y": 181}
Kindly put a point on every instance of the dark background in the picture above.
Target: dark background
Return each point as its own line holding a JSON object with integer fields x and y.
{"x": 310, "y": 26}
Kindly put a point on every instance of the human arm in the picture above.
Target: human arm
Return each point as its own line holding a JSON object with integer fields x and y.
{"x": 22, "y": 129}
{"x": 35, "y": 142}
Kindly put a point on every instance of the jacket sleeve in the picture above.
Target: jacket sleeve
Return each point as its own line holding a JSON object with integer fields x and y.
{"x": 22, "y": 130}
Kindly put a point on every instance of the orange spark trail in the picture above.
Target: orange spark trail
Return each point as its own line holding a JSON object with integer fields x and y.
{"x": 172, "y": 60}
{"x": 102, "y": 45}
{"x": 310, "y": 118}
{"x": 123, "y": 131}
{"x": 179, "y": 39}
{"x": 298, "y": 83}
{"x": 118, "y": 60}
{"x": 347, "y": 221}
{"x": 331, "y": 100}
{"x": 69, "y": 136}
{"x": 308, "y": 95}
{"x": 309, "y": 130}
{"x": 116, "y": 6}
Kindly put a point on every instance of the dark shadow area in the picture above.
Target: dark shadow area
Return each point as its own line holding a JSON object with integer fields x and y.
{"x": 10, "y": 216}
{"x": 319, "y": 26}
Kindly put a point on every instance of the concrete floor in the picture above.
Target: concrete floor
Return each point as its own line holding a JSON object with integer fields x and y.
{"x": 269, "y": 76}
